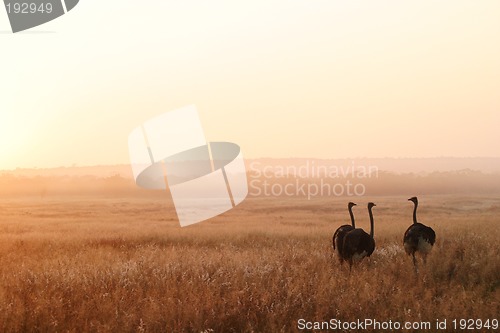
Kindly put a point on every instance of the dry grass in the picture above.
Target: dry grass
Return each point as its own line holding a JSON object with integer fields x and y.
{"x": 123, "y": 264}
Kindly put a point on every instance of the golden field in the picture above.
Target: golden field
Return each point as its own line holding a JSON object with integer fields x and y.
{"x": 122, "y": 264}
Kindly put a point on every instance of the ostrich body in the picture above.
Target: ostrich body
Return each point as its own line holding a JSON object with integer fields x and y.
{"x": 357, "y": 243}
{"x": 418, "y": 237}
{"x": 338, "y": 236}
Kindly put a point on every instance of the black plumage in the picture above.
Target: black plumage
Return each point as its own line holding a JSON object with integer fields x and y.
{"x": 359, "y": 244}
{"x": 418, "y": 237}
{"x": 338, "y": 236}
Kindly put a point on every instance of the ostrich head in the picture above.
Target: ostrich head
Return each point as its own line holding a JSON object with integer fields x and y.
{"x": 414, "y": 200}
{"x": 371, "y": 205}
{"x": 351, "y": 204}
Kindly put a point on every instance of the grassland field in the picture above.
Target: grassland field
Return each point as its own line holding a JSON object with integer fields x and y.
{"x": 123, "y": 264}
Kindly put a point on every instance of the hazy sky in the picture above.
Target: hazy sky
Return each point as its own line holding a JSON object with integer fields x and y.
{"x": 326, "y": 79}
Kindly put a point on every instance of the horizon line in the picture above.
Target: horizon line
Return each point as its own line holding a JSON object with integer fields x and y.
{"x": 75, "y": 165}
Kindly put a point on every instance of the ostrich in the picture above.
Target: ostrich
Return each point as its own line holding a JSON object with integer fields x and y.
{"x": 338, "y": 236}
{"x": 357, "y": 243}
{"x": 418, "y": 237}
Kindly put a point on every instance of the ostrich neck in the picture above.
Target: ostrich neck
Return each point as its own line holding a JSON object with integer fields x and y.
{"x": 352, "y": 217}
{"x": 415, "y": 213}
{"x": 371, "y": 222}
